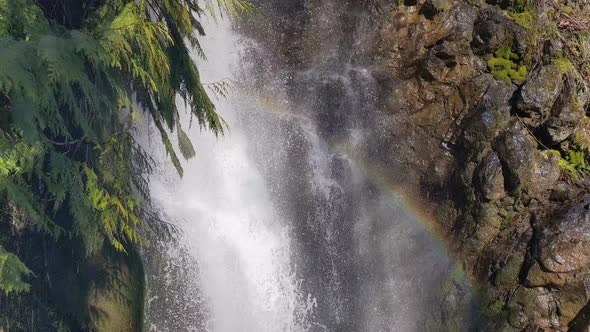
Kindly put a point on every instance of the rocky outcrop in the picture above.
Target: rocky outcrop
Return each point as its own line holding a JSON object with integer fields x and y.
{"x": 565, "y": 246}
{"x": 503, "y": 155}
{"x": 533, "y": 107}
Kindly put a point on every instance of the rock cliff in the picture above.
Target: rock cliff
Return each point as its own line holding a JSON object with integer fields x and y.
{"x": 489, "y": 100}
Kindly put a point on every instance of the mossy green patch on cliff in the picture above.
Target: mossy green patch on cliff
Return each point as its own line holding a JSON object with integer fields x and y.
{"x": 522, "y": 12}
{"x": 504, "y": 66}
{"x": 573, "y": 166}
{"x": 524, "y": 19}
{"x": 496, "y": 307}
{"x": 564, "y": 65}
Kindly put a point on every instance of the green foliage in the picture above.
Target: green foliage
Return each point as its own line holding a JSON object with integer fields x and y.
{"x": 522, "y": 12}
{"x": 233, "y": 7}
{"x": 117, "y": 214}
{"x": 519, "y": 6}
{"x": 68, "y": 102}
{"x": 441, "y": 6}
{"x": 504, "y": 66}
{"x": 573, "y": 166}
{"x": 75, "y": 77}
{"x": 496, "y": 307}
{"x": 526, "y": 19}
{"x": 185, "y": 145}
{"x": 12, "y": 273}
{"x": 220, "y": 89}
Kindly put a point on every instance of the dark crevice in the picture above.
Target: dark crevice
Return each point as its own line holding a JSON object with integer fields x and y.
{"x": 444, "y": 55}
{"x": 582, "y": 320}
{"x": 510, "y": 181}
{"x": 428, "y": 10}
{"x": 423, "y": 73}
{"x": 531, "y": 252}
{"x": 451, "y": 64}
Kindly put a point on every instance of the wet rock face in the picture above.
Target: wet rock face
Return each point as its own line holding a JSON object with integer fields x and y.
{"x": 534, "y": 306}
{"x": 526, "y": 167}
{"x": 489, "y": 179}
{"x": 565, "y": 248}
{"x": 496, "y": 151}
{"x": 491, "y": 115}
{"x": 567, "y": 111}
{"x": 535, "y": 107}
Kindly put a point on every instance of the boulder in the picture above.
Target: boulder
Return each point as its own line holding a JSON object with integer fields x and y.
{"x": 563, "y": 191}
{"x": 489, "y": 179}
{"x": 492, "y": 114}
{"x": 545, "y": 172}
{"x": 567, "y": 111}
{"x": 565, "y": 246}
{"x": 538, "y": 277}
{"x": 556, "y": 131}
{"x": 439, "y": 63}
{"x": 507, "y": 276}
{"x": 534, "y": 307}
{"x": 526, "y": 167}
{"x": 492, "y": 30}
{"x": 488, "y": 224}
{"x": 553, "y": 48}
{"x": 538, "y": 94}
{"x": 516, "y": 149}
{"x": 572, "y": 298}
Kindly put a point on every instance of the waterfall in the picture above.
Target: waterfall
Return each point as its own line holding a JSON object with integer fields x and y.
{"x": 238, "y": 242}
{"x": 282, "y": 225}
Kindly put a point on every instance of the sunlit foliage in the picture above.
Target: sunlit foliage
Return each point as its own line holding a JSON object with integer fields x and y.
{"x": 71, "y": 89}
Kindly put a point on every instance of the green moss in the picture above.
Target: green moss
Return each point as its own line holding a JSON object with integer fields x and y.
{"x": 519, "y": 6}
{"x": 551, "y": 14}
{"x": 496, "y": 307}
{"x": 442, "y": 6}
{"x": 504, "y": 66}
{"x": 563, "y": 64}
{"x": 567, "y": 9}
{"x": 526, "y": 19}
{"x": 493, "y": 305}
{"x": 522, "y": 12}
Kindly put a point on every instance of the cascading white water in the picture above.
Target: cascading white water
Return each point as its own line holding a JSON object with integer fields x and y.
{"x": 227, "y": 221}
{"x": 281, "y": 226}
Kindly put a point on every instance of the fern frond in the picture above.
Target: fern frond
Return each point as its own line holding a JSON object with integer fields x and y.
{"x": 228, "y": 7}
{"x": 220, "y": 89}
{"x": 184, "y": 144}
{"x": 12, "y": 273}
